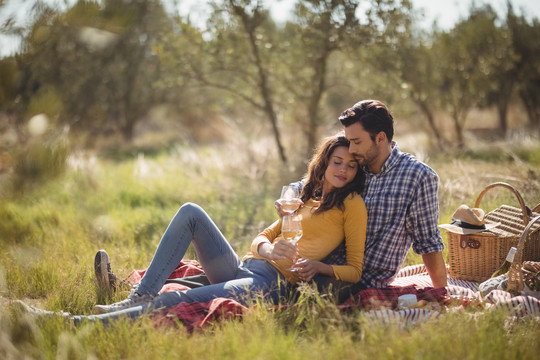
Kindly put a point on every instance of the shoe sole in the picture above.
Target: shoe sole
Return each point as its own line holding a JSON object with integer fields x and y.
{"x": 100, "y": 269}
{"x": 99, "y": 309}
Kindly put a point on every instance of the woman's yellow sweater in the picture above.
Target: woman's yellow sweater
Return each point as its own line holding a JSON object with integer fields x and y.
{"x": 322, "y": 233}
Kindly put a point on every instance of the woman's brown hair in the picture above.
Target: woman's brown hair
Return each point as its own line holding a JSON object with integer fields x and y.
{"x": 314, "y": 178}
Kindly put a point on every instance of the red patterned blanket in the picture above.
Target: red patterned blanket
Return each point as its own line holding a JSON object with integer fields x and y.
{"x": 378, "y": 304}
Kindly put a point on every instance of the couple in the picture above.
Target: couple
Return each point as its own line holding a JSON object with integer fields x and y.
{"x": 399, "y": 193}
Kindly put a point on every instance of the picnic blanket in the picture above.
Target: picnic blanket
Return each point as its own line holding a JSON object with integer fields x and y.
{"x": 378, "y": 305}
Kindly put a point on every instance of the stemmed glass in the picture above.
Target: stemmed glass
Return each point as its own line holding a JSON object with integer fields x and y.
{"x": 289, "y": 199}
{"x": 291, "y": 229}
{"x": 291, "y": 225}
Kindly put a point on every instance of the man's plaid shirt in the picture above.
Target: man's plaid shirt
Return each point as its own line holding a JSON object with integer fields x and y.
{"x": 403, "y": 210}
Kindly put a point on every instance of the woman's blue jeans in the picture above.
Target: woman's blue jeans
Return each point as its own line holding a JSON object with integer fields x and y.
{"x": 228, "y": 275}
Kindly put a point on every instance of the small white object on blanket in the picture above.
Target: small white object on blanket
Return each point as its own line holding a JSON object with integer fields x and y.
{"x": 404, "y": 301}
{"x": 496, "y": 283}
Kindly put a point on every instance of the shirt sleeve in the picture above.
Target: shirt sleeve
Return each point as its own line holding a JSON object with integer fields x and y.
{"x": 355, "y": 223}
{"x": 424, "y": 216}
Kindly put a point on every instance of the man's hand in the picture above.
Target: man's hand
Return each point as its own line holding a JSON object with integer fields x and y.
{"x": 287, "y": 207}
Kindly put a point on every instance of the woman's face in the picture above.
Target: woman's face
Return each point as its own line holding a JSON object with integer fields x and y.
{"x": 341, "y": 170}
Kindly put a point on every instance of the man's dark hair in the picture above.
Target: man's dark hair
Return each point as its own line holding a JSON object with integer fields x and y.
{"x": 373, "y": 115}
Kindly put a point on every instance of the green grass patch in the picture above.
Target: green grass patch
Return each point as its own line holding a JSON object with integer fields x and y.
{"x": 51, "y": 232}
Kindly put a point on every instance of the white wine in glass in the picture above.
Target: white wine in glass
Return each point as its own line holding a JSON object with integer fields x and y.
{"x": 293, "y": 236}
{"x": 289, "y": 199}
{"x": 291, "y": 229}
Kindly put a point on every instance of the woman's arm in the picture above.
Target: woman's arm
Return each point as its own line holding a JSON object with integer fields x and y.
{"x": 355, "y": 216}
{"x": 354, "y": 226}
{"x": 270, "y": 245}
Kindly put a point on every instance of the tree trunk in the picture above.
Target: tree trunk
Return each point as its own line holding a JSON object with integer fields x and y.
{"x": 424, "y": 108}
{"x": 502, "y": 109}
{"x": 458, "y": 127}
{"x": 532, "y": 108}
{"x": 250, "y": 25}
{"x": 319, "y": 86}
{"x": 314, "y": 105}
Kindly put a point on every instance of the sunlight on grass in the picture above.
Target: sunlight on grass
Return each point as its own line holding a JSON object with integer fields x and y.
{"x": 51, "y": 232}
{"x": 267, "y": 335}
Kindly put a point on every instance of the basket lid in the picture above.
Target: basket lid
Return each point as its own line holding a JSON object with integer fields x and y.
{"x": 511, "y": 219}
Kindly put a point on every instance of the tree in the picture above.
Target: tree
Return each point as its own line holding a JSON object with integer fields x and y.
{"x": 233, "y": 54}
{"x": 408, "y": 63}
{"x": 97, "y": 60}
{"x": 527, "y": 49}
{"x": 420, "y": 74}
{"x": 321, "y": 28}
{"x": 251, "y": 20}
{"x": 496, "y": 64}
{"x": 466, "y": 52}
{"x": 132, "y": 66}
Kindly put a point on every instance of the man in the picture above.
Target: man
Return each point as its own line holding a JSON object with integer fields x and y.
{"x": 400, "y": 196}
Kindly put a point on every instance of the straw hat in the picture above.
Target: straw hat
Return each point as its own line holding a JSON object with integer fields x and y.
{"x": 468, "y": 221}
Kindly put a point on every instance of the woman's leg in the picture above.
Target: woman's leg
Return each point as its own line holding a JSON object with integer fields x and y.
{"x": 236, "y": 289}
{"x": 260, "y": 279}
{"x": 191, "y": 225}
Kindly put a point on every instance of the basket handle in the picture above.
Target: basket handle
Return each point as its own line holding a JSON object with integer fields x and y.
{"x": 536, "y": 208}
{"x": 524, "y": 209}
{"x": 515, "y": 276}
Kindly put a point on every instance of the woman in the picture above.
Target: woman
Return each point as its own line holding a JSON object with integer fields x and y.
{"x": 333, "y": 209}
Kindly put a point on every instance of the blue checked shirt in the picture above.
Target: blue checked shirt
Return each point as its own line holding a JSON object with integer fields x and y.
{"x": 403, "y": 211}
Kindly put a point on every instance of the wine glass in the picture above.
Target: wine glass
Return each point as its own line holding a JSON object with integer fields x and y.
{"x": 291, "y": 229}
{"x": 289, "y": 199}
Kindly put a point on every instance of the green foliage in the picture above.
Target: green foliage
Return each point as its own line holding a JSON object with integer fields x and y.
{"x": 104, "y": 68}
{"x": 15, "y": 226}
{"x": 8, "y": 74}
{"x": 46, "y": 101}
{"x": 40, "y": 160}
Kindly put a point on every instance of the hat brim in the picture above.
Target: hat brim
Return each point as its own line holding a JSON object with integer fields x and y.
{"x": 464, "y": 231}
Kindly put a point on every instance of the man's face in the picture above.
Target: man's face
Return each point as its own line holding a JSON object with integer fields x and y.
{"x": 364, "y": 150}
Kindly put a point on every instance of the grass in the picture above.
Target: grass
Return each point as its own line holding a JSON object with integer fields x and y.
{"x": 50, "y": 231}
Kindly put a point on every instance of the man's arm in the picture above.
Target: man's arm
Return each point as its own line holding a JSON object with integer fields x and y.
{"x": 436, "y": 268}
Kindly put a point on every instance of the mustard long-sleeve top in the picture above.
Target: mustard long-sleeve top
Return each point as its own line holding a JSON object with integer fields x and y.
{"x": 322, "y": 233}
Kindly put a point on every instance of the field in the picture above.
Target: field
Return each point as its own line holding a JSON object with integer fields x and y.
{"x": 122, "y": 201}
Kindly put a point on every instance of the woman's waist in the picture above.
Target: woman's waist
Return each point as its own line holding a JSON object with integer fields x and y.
{"x": 280, "y": 266}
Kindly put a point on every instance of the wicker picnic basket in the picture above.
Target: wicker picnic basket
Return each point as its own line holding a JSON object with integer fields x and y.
{"x": 515, "y": 275}
{"x": 476, "y": 256}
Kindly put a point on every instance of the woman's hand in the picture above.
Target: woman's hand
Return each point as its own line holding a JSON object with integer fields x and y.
{"x": 307, "y": 269}
{"x": 279, "y": 250}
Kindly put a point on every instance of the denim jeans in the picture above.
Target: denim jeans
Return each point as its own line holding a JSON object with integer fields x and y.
{"x": 229, "y": 277}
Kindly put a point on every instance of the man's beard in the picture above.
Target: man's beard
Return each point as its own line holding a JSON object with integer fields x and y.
{"x": 361, "y": 159}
